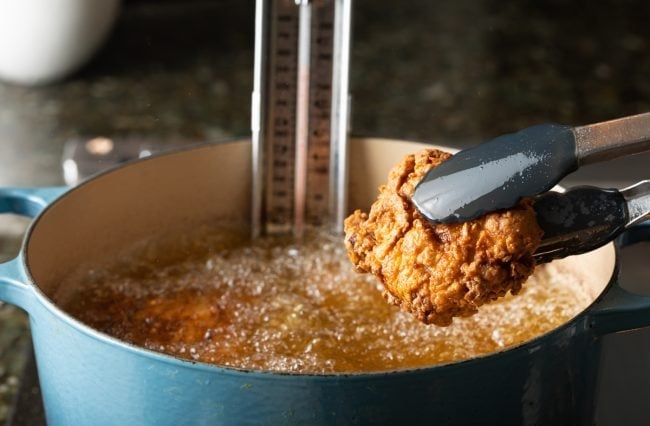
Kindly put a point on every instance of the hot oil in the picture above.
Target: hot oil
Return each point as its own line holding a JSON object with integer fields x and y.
{"x": 278, "y": 305}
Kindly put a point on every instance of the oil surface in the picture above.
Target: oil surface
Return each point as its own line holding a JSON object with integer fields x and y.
{"x": 295, "y": 307}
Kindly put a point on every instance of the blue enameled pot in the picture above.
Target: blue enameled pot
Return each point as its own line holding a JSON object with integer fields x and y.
{"x": 89, "y": 378}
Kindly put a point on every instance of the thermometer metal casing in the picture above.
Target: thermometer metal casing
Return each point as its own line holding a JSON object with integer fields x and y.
{"x": 300, "y": 109}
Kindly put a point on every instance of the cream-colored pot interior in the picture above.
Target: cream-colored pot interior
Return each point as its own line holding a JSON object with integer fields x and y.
{"x": 168, "y": 193}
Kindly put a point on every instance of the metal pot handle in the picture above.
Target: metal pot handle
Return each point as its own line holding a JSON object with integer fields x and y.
{"x": 26, "y": 202}
{"x": 620, "y": 310}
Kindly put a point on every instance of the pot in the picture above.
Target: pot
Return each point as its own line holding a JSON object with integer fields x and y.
{"x": 90, "y": 378}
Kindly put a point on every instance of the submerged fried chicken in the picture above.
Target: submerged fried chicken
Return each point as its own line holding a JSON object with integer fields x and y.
{"x": 441, "y": 271}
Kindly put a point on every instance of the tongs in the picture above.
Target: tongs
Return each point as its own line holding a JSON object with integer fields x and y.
{"x": 498, "y": 173}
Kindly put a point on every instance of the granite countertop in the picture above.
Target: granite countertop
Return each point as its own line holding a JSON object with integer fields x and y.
{"x": 453, "y": 73}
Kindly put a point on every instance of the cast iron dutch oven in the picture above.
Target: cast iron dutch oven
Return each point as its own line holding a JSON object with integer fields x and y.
{"x": 90, "y": 378}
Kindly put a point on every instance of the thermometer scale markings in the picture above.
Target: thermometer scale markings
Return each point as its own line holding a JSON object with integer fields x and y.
{"x": 318, "y": 169}
{"x": 282, "y": 115}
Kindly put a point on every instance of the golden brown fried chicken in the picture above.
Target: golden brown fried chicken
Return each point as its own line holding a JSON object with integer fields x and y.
{"x": 183, "y": 316}
{"x": 441, "y": 271}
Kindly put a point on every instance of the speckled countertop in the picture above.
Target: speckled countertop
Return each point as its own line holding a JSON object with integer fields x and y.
{"x": 451, "y": 72}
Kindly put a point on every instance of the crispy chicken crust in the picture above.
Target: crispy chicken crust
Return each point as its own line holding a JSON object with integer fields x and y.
{"x": 438, "y": 272}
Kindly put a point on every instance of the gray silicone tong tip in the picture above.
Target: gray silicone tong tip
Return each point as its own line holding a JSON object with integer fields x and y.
{"x": 496, "y": 174}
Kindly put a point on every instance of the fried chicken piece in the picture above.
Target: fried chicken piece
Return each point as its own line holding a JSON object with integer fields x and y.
{"x": 438, "y": 272}
{"x": 182, "y": 316}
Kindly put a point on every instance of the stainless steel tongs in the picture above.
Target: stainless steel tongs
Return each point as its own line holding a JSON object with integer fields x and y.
{"x": 498, "y": 173}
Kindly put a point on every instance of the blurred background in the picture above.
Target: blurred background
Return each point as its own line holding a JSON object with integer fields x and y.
{"x": 172, "y": 73}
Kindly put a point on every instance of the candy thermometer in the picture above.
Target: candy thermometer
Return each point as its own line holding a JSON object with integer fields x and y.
{"x": 300, "y": 109}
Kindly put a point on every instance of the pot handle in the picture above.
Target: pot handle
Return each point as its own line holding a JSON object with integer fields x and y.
{"x": 620, "y": 310}
{"x": 13, "y": 289}
{"x": 26, "y": 202}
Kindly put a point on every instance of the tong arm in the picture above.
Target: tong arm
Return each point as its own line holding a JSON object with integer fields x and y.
{"x": 637, "y": 198}
{"x": 585, "y": 218}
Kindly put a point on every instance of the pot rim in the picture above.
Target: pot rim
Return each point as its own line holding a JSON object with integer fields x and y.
{"x": 526, "y": 346}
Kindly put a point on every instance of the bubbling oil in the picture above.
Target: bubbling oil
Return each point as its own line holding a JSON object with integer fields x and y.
{"x": 279, "y": 305}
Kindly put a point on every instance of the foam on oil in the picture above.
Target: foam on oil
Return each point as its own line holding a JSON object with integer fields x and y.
{"x": 274, "y": 304}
